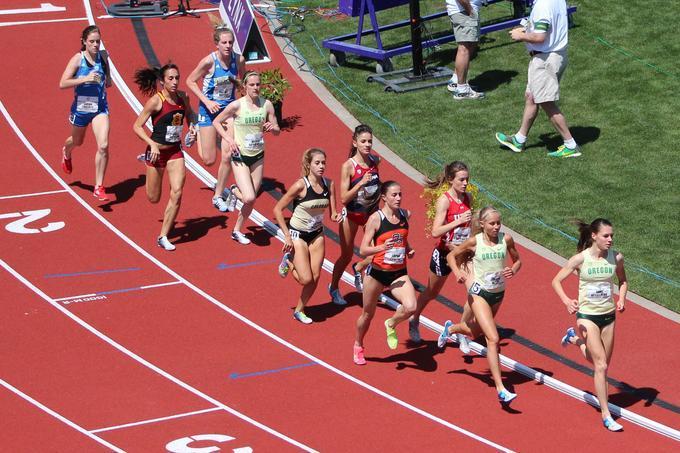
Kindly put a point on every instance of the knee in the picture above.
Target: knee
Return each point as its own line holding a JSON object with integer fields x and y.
{"x": 77, "y": 141}
{"x": 492, "y": 341}
{"x": 248, "y": 199}
{"x": 176, "y": 196}
{"x": 208, "y": 162}
{"x": 103, "y": 149}
{"x": 600, "y": 366}
{"x": 305, "y": 280}
{"x": 528, "y": 97}
{"x": 153, "y": 197}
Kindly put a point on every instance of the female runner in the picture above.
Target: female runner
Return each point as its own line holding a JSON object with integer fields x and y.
{"x": 596, "y": 263}
{"x": 88, "y": 73}
{"x": 489, "y": 249}
{"x": 387, "y": 230}
{"x": 168, "y": 109}
{"x": 252, "y": 116}
{"x": 220, "y": 72}
{"x": 359, "y": 192}
{"x": 304, "y": 247}
{"x": 451, "y": 225}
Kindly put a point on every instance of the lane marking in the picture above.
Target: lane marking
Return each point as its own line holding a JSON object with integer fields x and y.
{"x": 213, "y": 300}
{"x": 223, "y": 266}
{"x": 44, "y": 8}
{"x": 275, "y": 370}
{"x": 154, "y": 420}
{"x": 104, "y": 271}
{"x": 116, "y": 291}
{"x": 36, "y": 194}
{"x": 29, "y": 22}
{"x": 145, "y": 362}
{"x": 58, "y": 416}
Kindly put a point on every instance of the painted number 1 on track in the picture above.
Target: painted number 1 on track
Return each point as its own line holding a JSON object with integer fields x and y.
{"x": 19, "y": 226}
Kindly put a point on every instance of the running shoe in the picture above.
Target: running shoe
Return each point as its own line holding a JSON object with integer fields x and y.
{"x": 336, "y": 297}
{"x": 358, "y": 282}
{"x": 463, "y": 343}
{"x": 284, "y": 267}
{"x": 231, "y": 199}
{"x": 100, "y": 193}
{"x": 358, "y": 355}
{"x": 165, "y": 244}
{"x": 392, "y": 340}
{"x": 240, "y": 238}
{"x": 441, "y": 341}
{"x": 611, "y": 425}
{"x": 189, "y": 139}
{"x": 505, "y": 397}
{"x": 414, "y": 330}
{"x": 66, "y": 164}
{"x": 510, "y": 142}
{"x": 566, "y": 339}
{"x": 302, "y": 317}
{"x": 453, "y": 83}
{"x": 468, "y": 94}
{"x": 220, "y": 203}
{"x": 564, "y": 152}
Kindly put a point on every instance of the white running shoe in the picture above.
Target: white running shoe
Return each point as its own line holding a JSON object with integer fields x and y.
{"x": 444, "y": 336}
{"x": 468, "y": 94}
{"x": 165, "y": 244}
{"x": 505, "y": 397}
{"x": 453, "y": 83}
{"x": 231, "y": 199}
{"x": 463, "y": 343}
{"x": 611, "y": 425}
{"x": 220, "y": 203}
{"x": 284, "y": 267}
{"x": 240, "y": 238}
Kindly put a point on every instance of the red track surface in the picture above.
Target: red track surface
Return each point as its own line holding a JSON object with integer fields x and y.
{"x": 198, "y": 342}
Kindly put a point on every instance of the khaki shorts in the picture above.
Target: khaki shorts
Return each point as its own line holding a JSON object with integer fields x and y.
{"x": 545, "y": 72}
{"x": 465, "y": 28}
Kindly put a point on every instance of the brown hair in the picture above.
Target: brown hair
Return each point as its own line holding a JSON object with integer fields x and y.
{"x": 86, "y": 32}
{"x": 147, "y": 78}
{"x": 307, "y": 157}
{"x": 586, "y": 231}
{"x": 447, "y": 174}
{"x": 360, "y": 129}
{"x": 219, "y": 28}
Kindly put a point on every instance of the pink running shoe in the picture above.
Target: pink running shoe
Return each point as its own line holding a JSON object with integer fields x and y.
{"x": 66, "y": 164}
{"x": 358, "y": 355}
{"x": 100, "y": 193}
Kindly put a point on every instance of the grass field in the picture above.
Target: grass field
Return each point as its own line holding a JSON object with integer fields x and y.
{"x": 619, "y": 95}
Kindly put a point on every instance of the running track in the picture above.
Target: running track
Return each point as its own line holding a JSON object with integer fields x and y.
{"x": 206, "y": 332}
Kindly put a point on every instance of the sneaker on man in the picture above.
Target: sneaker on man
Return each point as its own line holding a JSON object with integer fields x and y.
{"x": 611, "y": 425}
{"x": 220, "y": 203}
{"x": 463, "y": 343}
{"x": 505, "y": 397}
{"x": 302, "y": 317}
{"x": 66, "y": 164}
{"x": 99, "y": 193}
{"x": 564, "y": 152}
{"x": 443, "y": 337}
{"x": 358, "y": 281}
{"x": 232, "y": 199}
{"x": 240, "y": 238}
{"x": 453, "y": 83}
{"x": 566, "y": 339}
{"x": 358, "y": 355}
{"x": 336, "y": 297}
{"x": 467, "y": 94}
{"x": 510, "y": 142}
{"x": 284, "y": 266}
{"x": 414, "y": 330}
{"x": 165, "y": 244}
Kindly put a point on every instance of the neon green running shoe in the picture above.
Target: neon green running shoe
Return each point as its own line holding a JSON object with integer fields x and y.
{"x": 392, "y": 340}
{"x": 564, "y": 152}
{"x": 510, "y": 142}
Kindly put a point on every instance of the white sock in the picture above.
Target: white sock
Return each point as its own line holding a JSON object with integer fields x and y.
{"x": 520, "y": 138}
{"x": 571, "y": 144}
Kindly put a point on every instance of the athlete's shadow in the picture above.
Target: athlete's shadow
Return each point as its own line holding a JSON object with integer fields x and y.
{"x": 121, "y": 191}
{"x": 270, "y": 184}
{"x": 629, "y": 396}
{"x": 323, "y": 312}
{"x": 290, "y": 122}
{"x": 190, "y": 230}
{"x": 419, "y": 358}
{"x": 259, "y": 236}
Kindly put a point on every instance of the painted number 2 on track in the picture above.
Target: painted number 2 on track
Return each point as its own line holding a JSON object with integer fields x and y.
{"x": 19, "y": 226}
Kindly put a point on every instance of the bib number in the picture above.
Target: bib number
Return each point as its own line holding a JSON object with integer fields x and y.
{"x": 172, "y": 134}
{"x": 599, "y": 291}
{"x": 460, "y": 235}
{"x": 223, "y": 88}
{"x": 87, "y": 104}
{"x": 476, "y": 288}
{"x": 294, "y": 234}
{"x": 493, "y": 280}
{"x": 314, "y": 223}
{"x": 254, "y": 142}
{"x": 395, "y": 255}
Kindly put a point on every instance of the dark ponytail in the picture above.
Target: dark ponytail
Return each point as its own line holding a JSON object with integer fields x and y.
{"x": 360, "y": 129}
{"x": 447, "y": 174}
{"x": 585, "y": 231}
{"x": 86, "y": 32}
{"x": 147, "y": 78}
{"x": 384, "y": 187}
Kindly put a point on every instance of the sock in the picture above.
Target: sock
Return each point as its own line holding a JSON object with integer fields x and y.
{"x": 571, "y": 143}
{"x": 520, "y": 138}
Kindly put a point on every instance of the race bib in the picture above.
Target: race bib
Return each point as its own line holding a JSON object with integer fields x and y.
{"x": 395, "y": 255}
{"x": 493, "y": 280}
{"x": 476, "y": 288}
{"x": 254, "y": 142}
{"x": 314, "y": 223}
{"x": 223, "y": 89}
{"x": 87, "y": 104}
{"x": 599, "y": 291}
{"x": 370, "y": 190}
{"x": 294, "y": 234}
{"x": 460, "y": 235}
{"x": 172, "y": 134}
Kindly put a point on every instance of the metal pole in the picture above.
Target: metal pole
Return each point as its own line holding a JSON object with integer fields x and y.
{"x": 416, "y": 39}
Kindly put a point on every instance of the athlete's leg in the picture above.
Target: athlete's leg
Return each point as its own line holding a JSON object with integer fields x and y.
{"x": 484, "y": 316}
{"x": 348, "y": 230}
{"x": 176, "y": 177}
{"x": 529, "y": 114}
{"x": 154, "y": 183}
{"x": 100, "y": 127}
{"x": 246, "y": 192}
{"x": 372, "y": 289}
{"x": 402, "y": 289}
{"x": 316, "y": 254}
{"x": 207, "y": 144}
{"x": 435, "y": 283}
{"x": 224, "y": 169}
{"x": 597, "y": 355}
{"x": 75, "y": 139}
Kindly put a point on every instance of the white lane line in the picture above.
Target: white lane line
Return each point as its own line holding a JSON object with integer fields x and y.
{"x": 44, "y": 8}
{"x": 58, "y": 416}
{"x": 115, "y": 291}
{"x": 30, "y": 22}
{"x": 227, "y": 309}
{"x": 146, "y": 363}
{"x": 154, "y": 420}
{"x": 7, "y": 197}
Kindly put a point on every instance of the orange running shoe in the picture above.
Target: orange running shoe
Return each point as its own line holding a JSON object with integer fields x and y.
{"x": 100, "y": 193}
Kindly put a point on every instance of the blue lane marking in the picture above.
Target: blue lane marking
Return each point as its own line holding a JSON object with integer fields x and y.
{"x": 124, "y": 290}
{"x": 223, "y": 266}
{"x": 105, "y": 271}
{"x": 276, "y": 370}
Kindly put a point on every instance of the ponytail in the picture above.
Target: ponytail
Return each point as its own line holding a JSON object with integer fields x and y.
{"x": 585, "y": 231}
{"x": 447, "y": 174}
{"x": 219, "y": 27}
{"x": 360, "y": 129}
{"x": 147, "y": 78}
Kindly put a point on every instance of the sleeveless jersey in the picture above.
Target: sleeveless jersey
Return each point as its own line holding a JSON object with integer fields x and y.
{"x": 462, "y": 232}
{"x": 248, "y": 129}
{"x": 393, "y": 258}
{"x": 489, "y": 262}
{"x": 595, "y": 284}
{"x": 217, "y": 84}
{"x": 308, "y": 210}
{"x": 90, "y": 97}
{"x": 368, "y": 196}
{"x": 167, "y": 123}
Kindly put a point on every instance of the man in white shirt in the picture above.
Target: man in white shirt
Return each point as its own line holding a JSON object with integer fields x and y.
{"x": 464, "y": 16}
{"x": 546, "y": 38}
